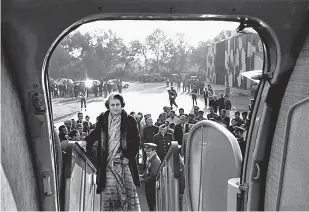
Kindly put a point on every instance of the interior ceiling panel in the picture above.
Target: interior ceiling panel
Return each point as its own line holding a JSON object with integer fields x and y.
{"x": 48, "y": 19}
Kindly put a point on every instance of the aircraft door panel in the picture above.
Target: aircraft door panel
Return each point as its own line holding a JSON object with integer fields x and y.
{"x": 89, "y": 189}
{"x": 213, "y": 157}
{"x": 76, "y": 189}
{"x": 293, "y": 192}
{"x": 79, "y": 177}
{"x": 96, "y": 202}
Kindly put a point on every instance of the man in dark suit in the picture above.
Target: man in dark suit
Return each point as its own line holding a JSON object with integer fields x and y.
{"x": 181, "y": 129}
{"x": 223, "y": 119}
{"x": 220, "y": 102}
{"x": 148, "y": 133}
{"x": 212, "y": 114}
{"x": 163, "y": 141}
{"x": 152, "y": 167}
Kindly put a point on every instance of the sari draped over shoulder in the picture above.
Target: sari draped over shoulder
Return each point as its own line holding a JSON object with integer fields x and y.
{"x": 120, "y": 192}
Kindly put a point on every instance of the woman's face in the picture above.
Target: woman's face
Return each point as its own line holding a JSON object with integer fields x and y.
{"x": 115, "y": 106}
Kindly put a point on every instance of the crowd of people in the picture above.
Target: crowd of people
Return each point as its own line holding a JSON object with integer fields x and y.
{"x": 72, "y": 90}
{"x": 121, "y": 136}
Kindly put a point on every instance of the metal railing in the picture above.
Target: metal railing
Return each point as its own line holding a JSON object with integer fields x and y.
{"x": 78, "y": 181}
{"x": 167, "y": 181}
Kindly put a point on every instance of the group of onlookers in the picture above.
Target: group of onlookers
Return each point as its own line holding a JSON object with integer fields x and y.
{"x": 75, "y": 130}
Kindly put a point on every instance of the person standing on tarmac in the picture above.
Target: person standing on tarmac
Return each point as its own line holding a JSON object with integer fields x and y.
{"x": 194, "y": 94}
{"x": 152, "y": 167}
{"x": 172, "y": 97}
{"x": 82, "y": 96}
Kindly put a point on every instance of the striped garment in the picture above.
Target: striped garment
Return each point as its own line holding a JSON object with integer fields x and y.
{"x": 120, "y": 192}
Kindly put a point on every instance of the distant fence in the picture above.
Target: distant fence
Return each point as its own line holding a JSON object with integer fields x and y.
{"x": 228, "y": 58}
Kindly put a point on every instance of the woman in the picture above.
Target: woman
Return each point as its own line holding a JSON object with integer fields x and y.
{"x": 118, "y": 144}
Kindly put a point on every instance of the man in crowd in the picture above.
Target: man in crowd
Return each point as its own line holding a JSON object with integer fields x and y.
{"x": 212, "y": 114}
{"x": 87, "y": 124}
{"x": 181, "y": 112}
{"x": 68, "y": 124}
{"x": 82, "y": 96}
{"x": 172, "y": 97}
{"x": 194, "y": 95}
{"x": 233, "y": 126}
{"x": 173, "y": 118}
{"x": 169, "y": 129}
{"x": 181, "y": 129}
{"x": 191, "y": 119}
{"x": 245, "y": 119}
{"x": 161, "y": 119}
{"x": 195, "y": 111}
{"x": 238, "y": 119}
{"x": 220, "y": 102}
{"x": 200, "y": 116}
{"x": 63, "y": 133}
{"x": 80, "y": 118}
{"x": 163, "y": 141}
{"x": 223, "y": 119}
{"x": 149, "y": 132}
{"x": 239, "y": 133}
{"x": 205, "y": 95}
{"x": 227, "y": 106}
{"x": 152, "y": 166}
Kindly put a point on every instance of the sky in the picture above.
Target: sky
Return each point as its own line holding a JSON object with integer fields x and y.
{"x": 195, "y": 31}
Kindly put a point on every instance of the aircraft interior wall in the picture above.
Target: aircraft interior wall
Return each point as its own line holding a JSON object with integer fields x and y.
{"x": 18, "y": 180}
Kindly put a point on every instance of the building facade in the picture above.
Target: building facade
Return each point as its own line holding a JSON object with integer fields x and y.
{"x": 228, "y": 58}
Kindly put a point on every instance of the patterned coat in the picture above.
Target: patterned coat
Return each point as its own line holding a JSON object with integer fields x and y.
{"x": 129, "y": 145}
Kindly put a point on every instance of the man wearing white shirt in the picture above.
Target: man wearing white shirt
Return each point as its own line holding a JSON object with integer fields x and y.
{"x": 173, "y": 118}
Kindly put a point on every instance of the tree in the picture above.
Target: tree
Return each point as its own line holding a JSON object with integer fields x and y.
{"x": 155, "y": 42}
{"x": 128, "y": 54}
{"x": 108, "y": 50}
{"x": 103, "y": 53}
{"x": 198, "y": 56}
{"x": 60, "y": 62}
{"x": 169, "y": 56}
{"x": 141, "y": 50}
{"x": 81, "y": 48}
{"x": 183, "y": 50}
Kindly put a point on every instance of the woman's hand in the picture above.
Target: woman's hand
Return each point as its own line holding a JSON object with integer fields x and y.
{"x": 125, "y": 161}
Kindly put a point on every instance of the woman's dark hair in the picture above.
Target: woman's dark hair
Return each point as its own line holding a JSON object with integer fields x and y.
{"x": 115, "y": 96}
{"x": 73, "y": 133}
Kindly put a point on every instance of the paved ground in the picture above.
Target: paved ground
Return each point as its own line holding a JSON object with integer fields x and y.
{"x": 142, "y": 97}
